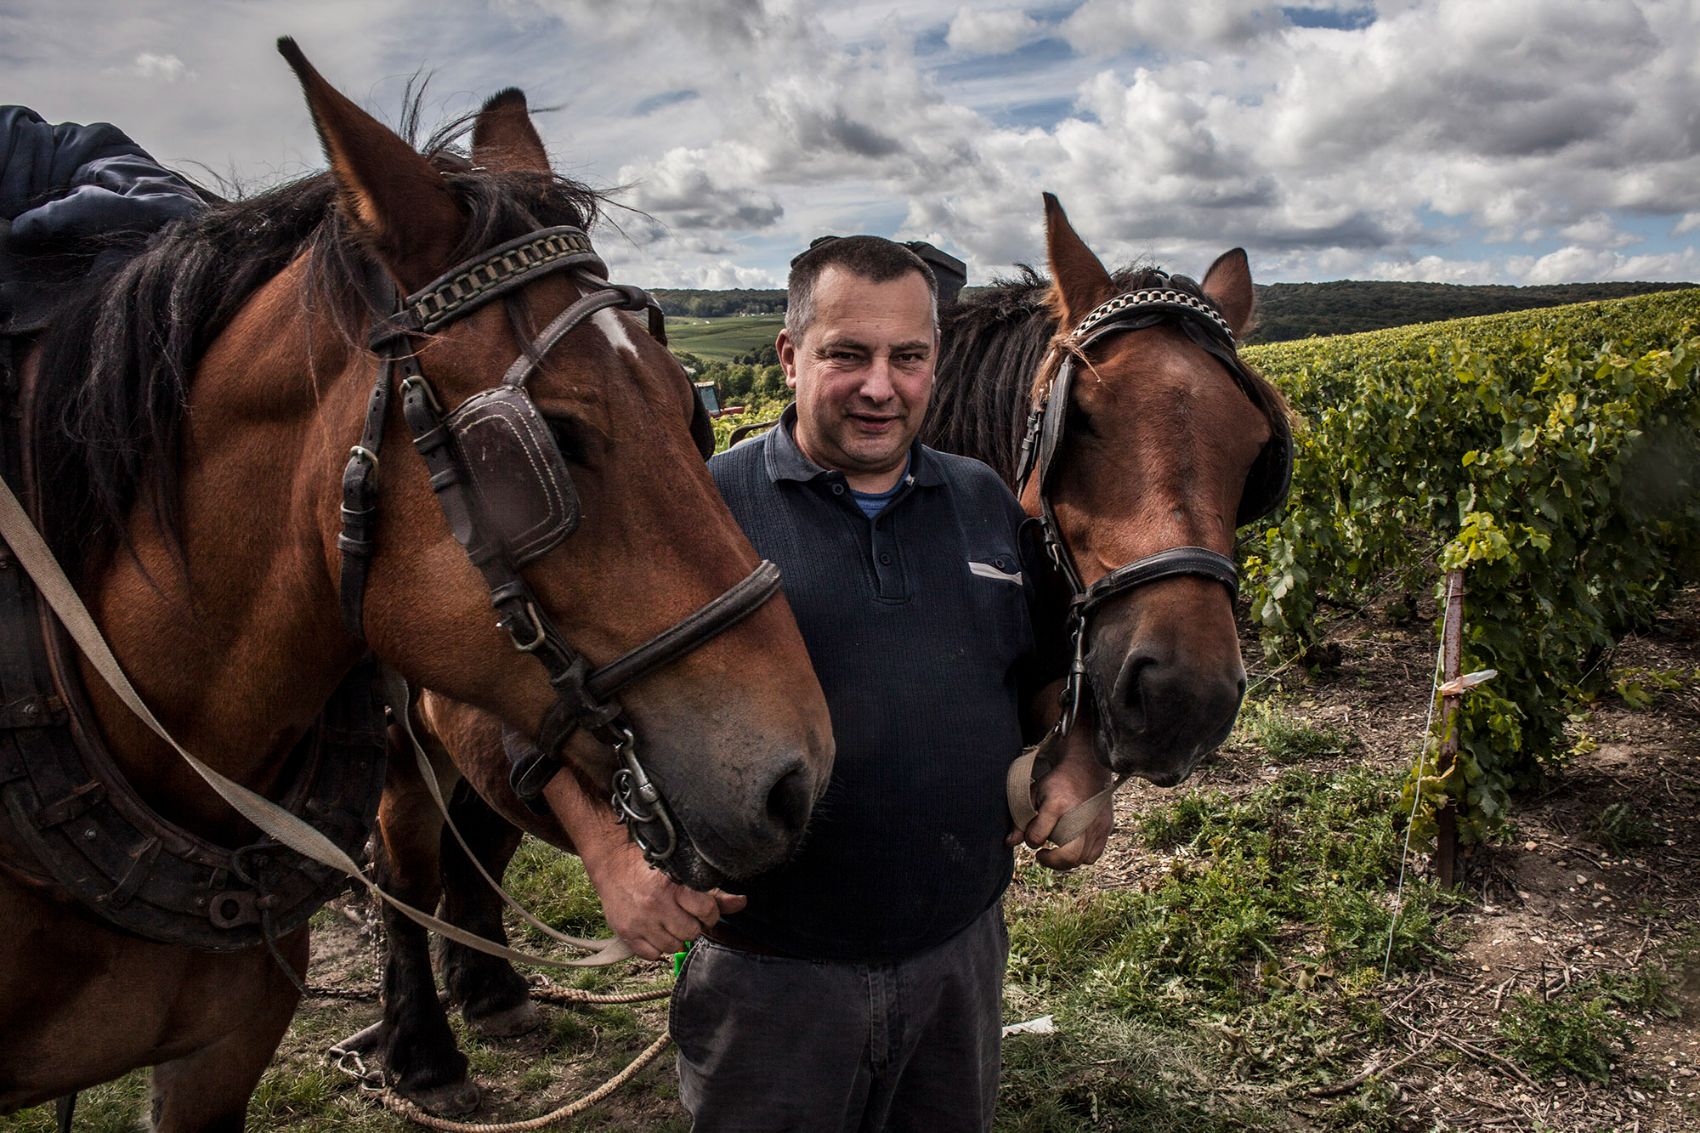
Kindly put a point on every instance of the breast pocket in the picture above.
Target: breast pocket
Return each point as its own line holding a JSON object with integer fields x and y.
{"x": 995, "y": 583}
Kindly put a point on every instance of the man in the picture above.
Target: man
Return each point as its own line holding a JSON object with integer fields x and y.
{"x": 859, "y": 986}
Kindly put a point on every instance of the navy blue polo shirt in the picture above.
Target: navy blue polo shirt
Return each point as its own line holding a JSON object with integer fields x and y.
{"x": 919, "y": 625}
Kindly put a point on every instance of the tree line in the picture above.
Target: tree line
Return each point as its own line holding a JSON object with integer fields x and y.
{"x": 1284, "y": 310}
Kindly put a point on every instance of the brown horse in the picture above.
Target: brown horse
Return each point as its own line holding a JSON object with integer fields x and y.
{"x": 1119, "y": 409}
{"x": 190, "y": 422}
{"x": 1169, "y": 442}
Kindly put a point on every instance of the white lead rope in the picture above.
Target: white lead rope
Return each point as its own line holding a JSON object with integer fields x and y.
{"x": 276, "y": 822}
{"x": 611, "y": 950}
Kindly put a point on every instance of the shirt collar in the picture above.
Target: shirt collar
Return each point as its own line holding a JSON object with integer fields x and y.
{"x": 786, "y": 461}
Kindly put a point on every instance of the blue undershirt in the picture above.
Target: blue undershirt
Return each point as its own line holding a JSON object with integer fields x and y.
{"x": 872, "y": 503}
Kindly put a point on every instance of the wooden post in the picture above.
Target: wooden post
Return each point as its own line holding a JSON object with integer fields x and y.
{"x": 1451, "y": 651}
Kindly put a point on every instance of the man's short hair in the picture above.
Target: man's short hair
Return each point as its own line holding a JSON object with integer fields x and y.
{"x": 873, "y": 258}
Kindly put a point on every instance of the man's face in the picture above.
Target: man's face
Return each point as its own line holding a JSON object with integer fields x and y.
{"x": 863, "y": 372}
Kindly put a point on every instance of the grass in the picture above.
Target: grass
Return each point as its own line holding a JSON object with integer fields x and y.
{"x": 1210, "y": 998}
{"x": 722, "y": 339}
{"x": 1284, "y": 738}
{"x": 1253, "y": 961}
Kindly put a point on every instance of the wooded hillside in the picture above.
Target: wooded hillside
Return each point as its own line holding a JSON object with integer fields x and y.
{"x": 1284, "y": 310}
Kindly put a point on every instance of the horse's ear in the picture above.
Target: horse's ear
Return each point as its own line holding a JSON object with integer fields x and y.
{"x": 1228, "y": 282}
{"x": 503, "y": 138}
{"x": 394, "y": 197}
{"x": 1081, "y": 281}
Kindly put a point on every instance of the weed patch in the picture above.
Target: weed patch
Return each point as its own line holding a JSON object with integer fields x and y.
{"x": 1284, "y": 739}
{"x": 1575, "y": 1033}
{"x": 1622, "y": 826}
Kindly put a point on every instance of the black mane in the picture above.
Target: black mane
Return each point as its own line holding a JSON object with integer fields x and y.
{"x": 994, "y": 341}
{"x": 117, "y": 361}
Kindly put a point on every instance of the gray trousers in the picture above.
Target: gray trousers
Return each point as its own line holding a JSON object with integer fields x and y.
{"x": 769, "y": 1043}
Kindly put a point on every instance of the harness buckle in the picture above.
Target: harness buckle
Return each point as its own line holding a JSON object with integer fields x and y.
{"x": 1075, "y": 683}
{"x": 417, "y": 382}
{"x": 536, "y": 643}
{"x": 637, "y": 803}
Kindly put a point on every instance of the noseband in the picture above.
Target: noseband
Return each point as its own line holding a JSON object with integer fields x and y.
{"x": 508, "y": 498}
{"x": 1265, "y": 488}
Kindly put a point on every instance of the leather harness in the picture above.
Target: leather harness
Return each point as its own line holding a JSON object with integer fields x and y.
{"x": 71, "y": 824}
{"x": 508, "y": 498}
{"x": 1265, "y": 488}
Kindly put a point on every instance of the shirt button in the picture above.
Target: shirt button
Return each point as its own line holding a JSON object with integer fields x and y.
{"x": 885, "y": 558}
{"x": 838, "y": 489}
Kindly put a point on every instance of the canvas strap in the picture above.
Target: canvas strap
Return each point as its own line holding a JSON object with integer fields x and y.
{"x": 1018, "y": 787}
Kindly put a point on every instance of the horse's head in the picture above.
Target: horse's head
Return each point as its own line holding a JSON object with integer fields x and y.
{"x": 563, "y": 442}
{"x": 1171, "y": 442}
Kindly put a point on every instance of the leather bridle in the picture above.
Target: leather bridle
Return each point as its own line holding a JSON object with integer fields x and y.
{"x": 508, "y": 497}
{"x": 1265, "y": 488}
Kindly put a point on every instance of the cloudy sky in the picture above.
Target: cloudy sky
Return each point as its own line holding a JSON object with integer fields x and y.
{"x": 1467, "y": 141}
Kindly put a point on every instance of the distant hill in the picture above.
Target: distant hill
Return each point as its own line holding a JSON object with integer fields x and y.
{"x": 1284, "y": 310}
{"x": 1299, "y": 310}
{"x": 718, "y": 304}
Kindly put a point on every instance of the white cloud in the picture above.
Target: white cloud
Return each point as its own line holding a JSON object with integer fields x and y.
{"x": 1450, "y": 137}
{"x": 684, "y": 189}
{"x": 990, "y": 31}
{"x": 1105, "y": 27}
{"x": 1597, "y": 230}
{"x": 166, "y": 68}
{"x": 1577, "y": 263}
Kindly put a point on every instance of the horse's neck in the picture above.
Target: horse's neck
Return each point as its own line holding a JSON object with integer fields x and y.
{"x": 237, "y": 644}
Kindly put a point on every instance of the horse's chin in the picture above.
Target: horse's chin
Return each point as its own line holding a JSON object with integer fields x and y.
{"x": 1164, "y": 763}
{"x": 689, "y": 868}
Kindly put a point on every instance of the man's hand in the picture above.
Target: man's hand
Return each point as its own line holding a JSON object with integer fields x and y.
{"x": 1075, "y": 777}
{"x": 648, "y": 910}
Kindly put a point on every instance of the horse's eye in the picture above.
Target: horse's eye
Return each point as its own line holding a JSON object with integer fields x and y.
{"x": 569, "y": 438}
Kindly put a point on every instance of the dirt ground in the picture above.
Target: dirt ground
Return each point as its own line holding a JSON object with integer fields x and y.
{"x": 1551, "y": 905}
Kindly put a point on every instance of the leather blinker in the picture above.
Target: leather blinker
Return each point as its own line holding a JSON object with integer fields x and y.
{"x": 519, "y": 481}
{"x": 1270, "y": 477}
{"x": 702, "y": 426}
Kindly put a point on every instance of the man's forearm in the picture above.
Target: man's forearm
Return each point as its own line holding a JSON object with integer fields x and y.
{"x": 588, "y": 820}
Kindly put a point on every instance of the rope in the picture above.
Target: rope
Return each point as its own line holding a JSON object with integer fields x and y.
{"x": 351, "y": 1065}
{"x": 551, "y": 994}
{"x": 363, "y": 994}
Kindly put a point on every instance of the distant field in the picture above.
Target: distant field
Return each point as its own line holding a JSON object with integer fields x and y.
{"x": 722, "y": 339}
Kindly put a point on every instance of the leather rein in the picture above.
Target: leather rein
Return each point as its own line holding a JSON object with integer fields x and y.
{"x": 527, "y": 471}
{"x": 1042, "y": 441}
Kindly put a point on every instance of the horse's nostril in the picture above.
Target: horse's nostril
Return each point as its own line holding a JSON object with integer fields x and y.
{"x": 790, "y": 799}
{"x": 1130, "y": 682}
